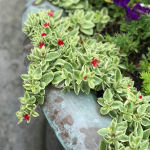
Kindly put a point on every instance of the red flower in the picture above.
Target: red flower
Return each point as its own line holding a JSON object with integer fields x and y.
{"x": 94, "y": 62}
{"x": 128, "y": 85}
{"x": 46, "y": 24}
{"x": 41, "y": 45}
{"x": 43, "y": 34}
{"x": 140, "y": 97}
{"x": 119, "y": 52}
{"x": 50, "y": 14}
{"x": 85, "y": 78}
{"x": 60, "y": 42}
{"x": 26, "y": 116}
{"x": 43, "y": 54}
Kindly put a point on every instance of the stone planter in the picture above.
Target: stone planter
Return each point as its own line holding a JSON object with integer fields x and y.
{"x": 74, "y": 118}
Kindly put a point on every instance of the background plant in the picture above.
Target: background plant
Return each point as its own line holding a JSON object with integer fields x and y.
{"x": 145, "y": 75}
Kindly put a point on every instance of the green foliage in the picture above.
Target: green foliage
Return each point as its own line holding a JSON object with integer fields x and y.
{"x": 71, "y": 65}
{"x": 140, "y": 28}
{"x": 84, "y": 14}
{"x": 145, "y": 2}
{"x": 145, "y": 75}
{"x": 72, "y": 5}
{"x": 145, "y": 63}
{"x": 127, "y": 45}
{"x": 85, "y": 21}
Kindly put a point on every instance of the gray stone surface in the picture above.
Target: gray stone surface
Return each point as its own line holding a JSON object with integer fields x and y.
{"x": 34, "y": 136}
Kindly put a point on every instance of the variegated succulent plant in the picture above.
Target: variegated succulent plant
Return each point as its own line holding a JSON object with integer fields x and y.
{"x": 66, "y": 53}
{"x": 85, "y": 14}
{"x": 60, "y": 57}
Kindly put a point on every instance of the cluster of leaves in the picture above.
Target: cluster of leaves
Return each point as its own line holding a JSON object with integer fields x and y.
{"x": 132, "y": 34}
{"x": 69, "y": 64}
{"x": 133, "y": 40}
{"x": 127, "y": 46}
{"x": 145, "y": 63}
{"x": 85, "y": 22}
{"x": 145, "y": 75}
{"x": 129, "y": 129}
{"x": 85, "y": 14}
{"x": 139, "y": 28}
{"x": 72, "y": 5}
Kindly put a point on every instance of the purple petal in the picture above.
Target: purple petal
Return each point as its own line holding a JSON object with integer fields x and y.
{"x": 125, "y": 2}
{"x": 128, "y": 10}
{"x": 131, "y": 14}
{"x": 139, "y": 9}
{"x": 147, "y": 10}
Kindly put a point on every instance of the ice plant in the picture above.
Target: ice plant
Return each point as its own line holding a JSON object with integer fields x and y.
{"x": 130, "y": 14}
{"x": 60, "y": 42}
{"x": 85, "y": 78}
{"x": 121, "y": 3}
{"x": 41, "y": 45}
{"x": 26, "y": 116}
{"x": 94, "y": 62}
{"x": 50, "y": 14}
{"x": 46, "y": 24}
{"x": 90, "y": 66}
{"x": 43, "y": 34}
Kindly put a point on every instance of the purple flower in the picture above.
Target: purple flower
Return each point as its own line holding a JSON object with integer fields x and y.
{"x": 130, "y": 14}
{"x": 121, "y": 3}
{"x": 140, "y": 10}
{"x": 147, "y": 10}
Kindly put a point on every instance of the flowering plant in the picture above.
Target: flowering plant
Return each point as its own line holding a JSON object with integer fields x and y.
{"x": 70, "y": 52}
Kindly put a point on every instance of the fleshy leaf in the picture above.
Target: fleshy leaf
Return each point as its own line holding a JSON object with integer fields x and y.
{"x": 103, "y": 146}
{"x": 145, "y": 122}
{"x": 52, "y": 56}
{"x": 25, "y": 76}
{"x": 118, "y": 75}
{"x": 104, "y": 110}
{"x": 47, "y": 78}
{"x": 26, "y": 96}
{"x": 57, "y": 14}
{"x": 35, "y": 114}
{"x": 87, "y": 25}
{"x": 116, "y": 104}
{"x": 87, "y": 31}
{"x": 40, "y": 99}
{"x": 103, "y": 131}
{"x": 127, "y": 117}
{"x": 107, "y": 95}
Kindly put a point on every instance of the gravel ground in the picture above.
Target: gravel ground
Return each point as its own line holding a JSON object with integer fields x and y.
{"x": 34, "y": 136}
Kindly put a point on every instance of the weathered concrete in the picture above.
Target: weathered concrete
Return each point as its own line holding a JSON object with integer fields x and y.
{"x": 75, "y": 118}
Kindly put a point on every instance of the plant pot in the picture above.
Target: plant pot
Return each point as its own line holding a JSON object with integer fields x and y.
{"x": 74, "y": 118}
